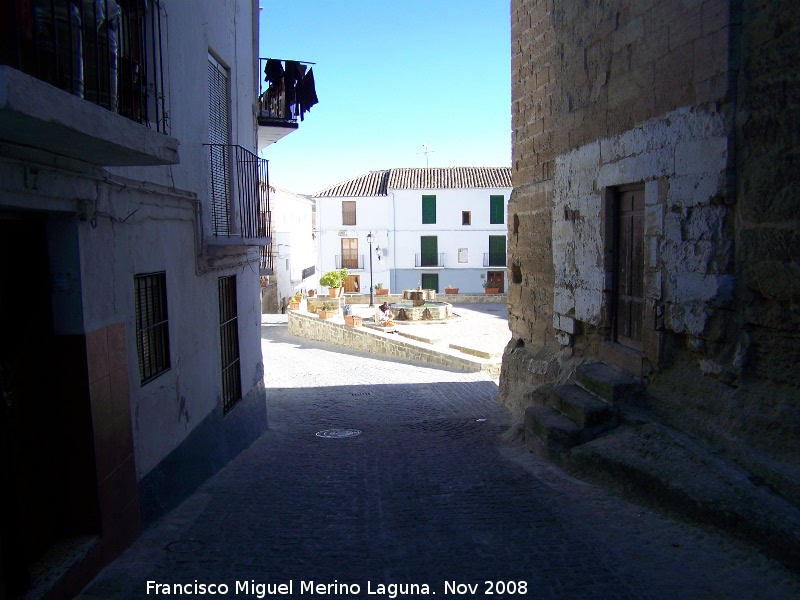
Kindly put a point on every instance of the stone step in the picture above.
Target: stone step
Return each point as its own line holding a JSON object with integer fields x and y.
{"x": 549, "y": 433}
{"x": 610, "y": 383}
{"x": 582, "y": 407}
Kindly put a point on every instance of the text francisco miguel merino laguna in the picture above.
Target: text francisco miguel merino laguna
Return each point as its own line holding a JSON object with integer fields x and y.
{"x": 265, "y": 590}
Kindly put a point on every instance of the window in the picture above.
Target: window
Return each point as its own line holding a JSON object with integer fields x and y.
{"x": 152, "y": 325}
{"x": 428, "y": 210}
{"x": 466, "y": 217}
{"x": 429, "y": 251}
{"x": 497, "y": 210}
{"x": 497, "y": 251}
{"x": 229, "y": 342}
{"x": 348, "y": 212}
{"x": 350, "y": 253}
{"x": 218, "y": 139}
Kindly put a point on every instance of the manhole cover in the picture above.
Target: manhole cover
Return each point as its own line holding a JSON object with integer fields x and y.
{"x": 338, "y": 433}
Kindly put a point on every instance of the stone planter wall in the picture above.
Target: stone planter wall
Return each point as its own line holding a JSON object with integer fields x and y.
{"x": 388, "y": 344}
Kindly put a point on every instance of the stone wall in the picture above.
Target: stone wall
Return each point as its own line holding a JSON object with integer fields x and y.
{"x": 371, "y": 340}
{"x": 696, "y": 102}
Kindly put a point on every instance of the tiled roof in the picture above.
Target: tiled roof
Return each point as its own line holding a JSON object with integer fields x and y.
{"x": 369, "y": 184}
{"x": 453, "y": 177}
{"x": 377, "y": 183}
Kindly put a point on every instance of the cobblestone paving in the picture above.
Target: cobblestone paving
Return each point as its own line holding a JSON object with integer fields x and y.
{"x": 432, "y": 491}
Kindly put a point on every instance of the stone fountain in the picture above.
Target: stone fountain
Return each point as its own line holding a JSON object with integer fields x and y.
{"x": 420, "y": 305}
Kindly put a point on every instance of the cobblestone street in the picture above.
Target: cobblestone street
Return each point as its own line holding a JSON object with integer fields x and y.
{"x": 433, "y": 492}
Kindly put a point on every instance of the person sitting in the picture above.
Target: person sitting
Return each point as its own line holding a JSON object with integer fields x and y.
{"x": 384, "y": 315}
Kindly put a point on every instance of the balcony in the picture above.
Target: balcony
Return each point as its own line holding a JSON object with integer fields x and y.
{"x": 266, "y": 260}
{"x": 350, "y": 261}
{"x": 240, "y": 212}
{"x": 429, "y": 260}
{"x": 493, "y": 259}
{"x": 85, "y": 80}
{"x": 287, "y": 92}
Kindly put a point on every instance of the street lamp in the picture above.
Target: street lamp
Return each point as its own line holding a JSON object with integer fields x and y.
{"x": 370, "y": 239}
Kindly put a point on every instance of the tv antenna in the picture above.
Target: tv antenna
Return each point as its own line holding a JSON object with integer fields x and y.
{"x": 426, "y": 152}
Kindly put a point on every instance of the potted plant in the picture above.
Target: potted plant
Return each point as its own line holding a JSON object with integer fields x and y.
{"x": 312, "y": 293}
{"x": 294, "y": 303}
{"x": 327, "y": 311}
{"x": 490, "y": 287}
{"x": 333, "y": 280}
{"x": 380, "y": 290}
{"x": 450, "y": 290}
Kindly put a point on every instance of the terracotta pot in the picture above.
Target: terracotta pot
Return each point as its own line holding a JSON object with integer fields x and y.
{"x": 334, "y": 292}
{"x": 312, "y": 293}
{"x": 325, "y": 314}
{"x": 294, "y": 306}
{"x": 353, "y": 321}
{"x": 450, "y": 290}
{"x": 382, "y": 292}
{"x": 489, "y": 290}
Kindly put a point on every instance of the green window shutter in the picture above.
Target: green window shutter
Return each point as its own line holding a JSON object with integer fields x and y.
{"x": 497, "y": 251}
{"x": 428, "y": 210}
{"x": 429, "y": 251}
{"x": 496, "y": 210}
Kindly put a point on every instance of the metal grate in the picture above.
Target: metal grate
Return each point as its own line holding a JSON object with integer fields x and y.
{"x": 229, "y": 342}
{"x": 152, "y": 325}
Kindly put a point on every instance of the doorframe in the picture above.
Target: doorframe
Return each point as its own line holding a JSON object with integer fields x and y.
{"x": 629, "y": 343}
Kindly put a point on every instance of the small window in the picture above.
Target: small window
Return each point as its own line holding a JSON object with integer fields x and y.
{"x": 152, "y": 325}
{"x": 497, "y": 210}
{"x": 428, "y": 210}
{"x": 466, "y": 217}
{"x": 229, "y": 342}
{"x": 348, "y": 212}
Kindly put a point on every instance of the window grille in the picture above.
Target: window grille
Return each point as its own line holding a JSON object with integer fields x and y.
{"x": 229, "y": 343}
{"x": 348, "y": 212}
{"x": 152, "y": 325}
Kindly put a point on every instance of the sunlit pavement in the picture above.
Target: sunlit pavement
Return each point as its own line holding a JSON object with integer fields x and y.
{"x": 426, "y": 492}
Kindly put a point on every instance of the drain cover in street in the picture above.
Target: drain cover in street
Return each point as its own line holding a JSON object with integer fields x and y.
{"x": 338, "y": 433}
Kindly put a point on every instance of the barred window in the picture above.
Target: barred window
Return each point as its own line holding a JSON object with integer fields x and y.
{"x": 152, "y": 325}
{"x": 229, "y": 342}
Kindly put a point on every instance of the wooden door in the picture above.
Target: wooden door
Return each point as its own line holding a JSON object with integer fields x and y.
{"x": 430, "y": 281}
{"x": 495, "y": 279}
{"x": 629, "y": 268}
{"x": 350, "y": 253}
{"x": 352, "y": 284}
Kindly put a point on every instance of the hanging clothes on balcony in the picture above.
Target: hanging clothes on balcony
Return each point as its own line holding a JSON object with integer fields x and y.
{"x": 308, "y": 96}
{"x": 273, "y": 71}
{"x": 294, "y": 74}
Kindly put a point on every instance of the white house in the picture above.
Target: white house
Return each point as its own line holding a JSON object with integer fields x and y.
{"x": 434, "y": 227}
{"x": 131, "y": 216}
{"x": 294, "y": 255}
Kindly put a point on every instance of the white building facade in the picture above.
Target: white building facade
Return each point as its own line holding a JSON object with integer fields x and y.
{"x": 293, "y": 245}
{"x": 132, "y": 211}
{"x": 434, "y": 227}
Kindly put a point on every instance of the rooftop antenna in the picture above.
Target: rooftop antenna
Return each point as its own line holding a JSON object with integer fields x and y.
{"x": 426, "y": 152}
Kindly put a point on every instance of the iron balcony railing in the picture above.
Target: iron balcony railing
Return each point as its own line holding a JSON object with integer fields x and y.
{"x": 108, "y": 52}
{"x": 494, "y": 259}
{"x": 349, "y": 261}
{"x": 266, "y": 262}
{"x": 426, "y": 259}
{"x": 239, "y": 193}
{"x": 287, "y": 89}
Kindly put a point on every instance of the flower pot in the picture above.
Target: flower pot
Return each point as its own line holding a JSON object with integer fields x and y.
{"x": 325, "y": 314}
{"x": 450, "y": 290}
{"x": 353, "y": 321}
{"x": 334, "y": 292}
{"x": 382, "y": 292}
{"x": 492, "y": 290}
{"x": 312, "y": 293}
{"x": 294, "y": 306}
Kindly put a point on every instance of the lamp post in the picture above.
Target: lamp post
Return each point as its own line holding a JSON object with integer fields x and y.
{"x": 370, "y": 239}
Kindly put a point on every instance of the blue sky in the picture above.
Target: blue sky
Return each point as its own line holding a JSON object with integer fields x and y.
{"x": 392, "y": 75}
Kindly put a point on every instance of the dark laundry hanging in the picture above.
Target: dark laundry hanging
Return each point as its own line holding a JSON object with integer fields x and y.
{"x": 309, "y": 95}
{"x": 273, "y": 71}
{"x": 290, "y": 78}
